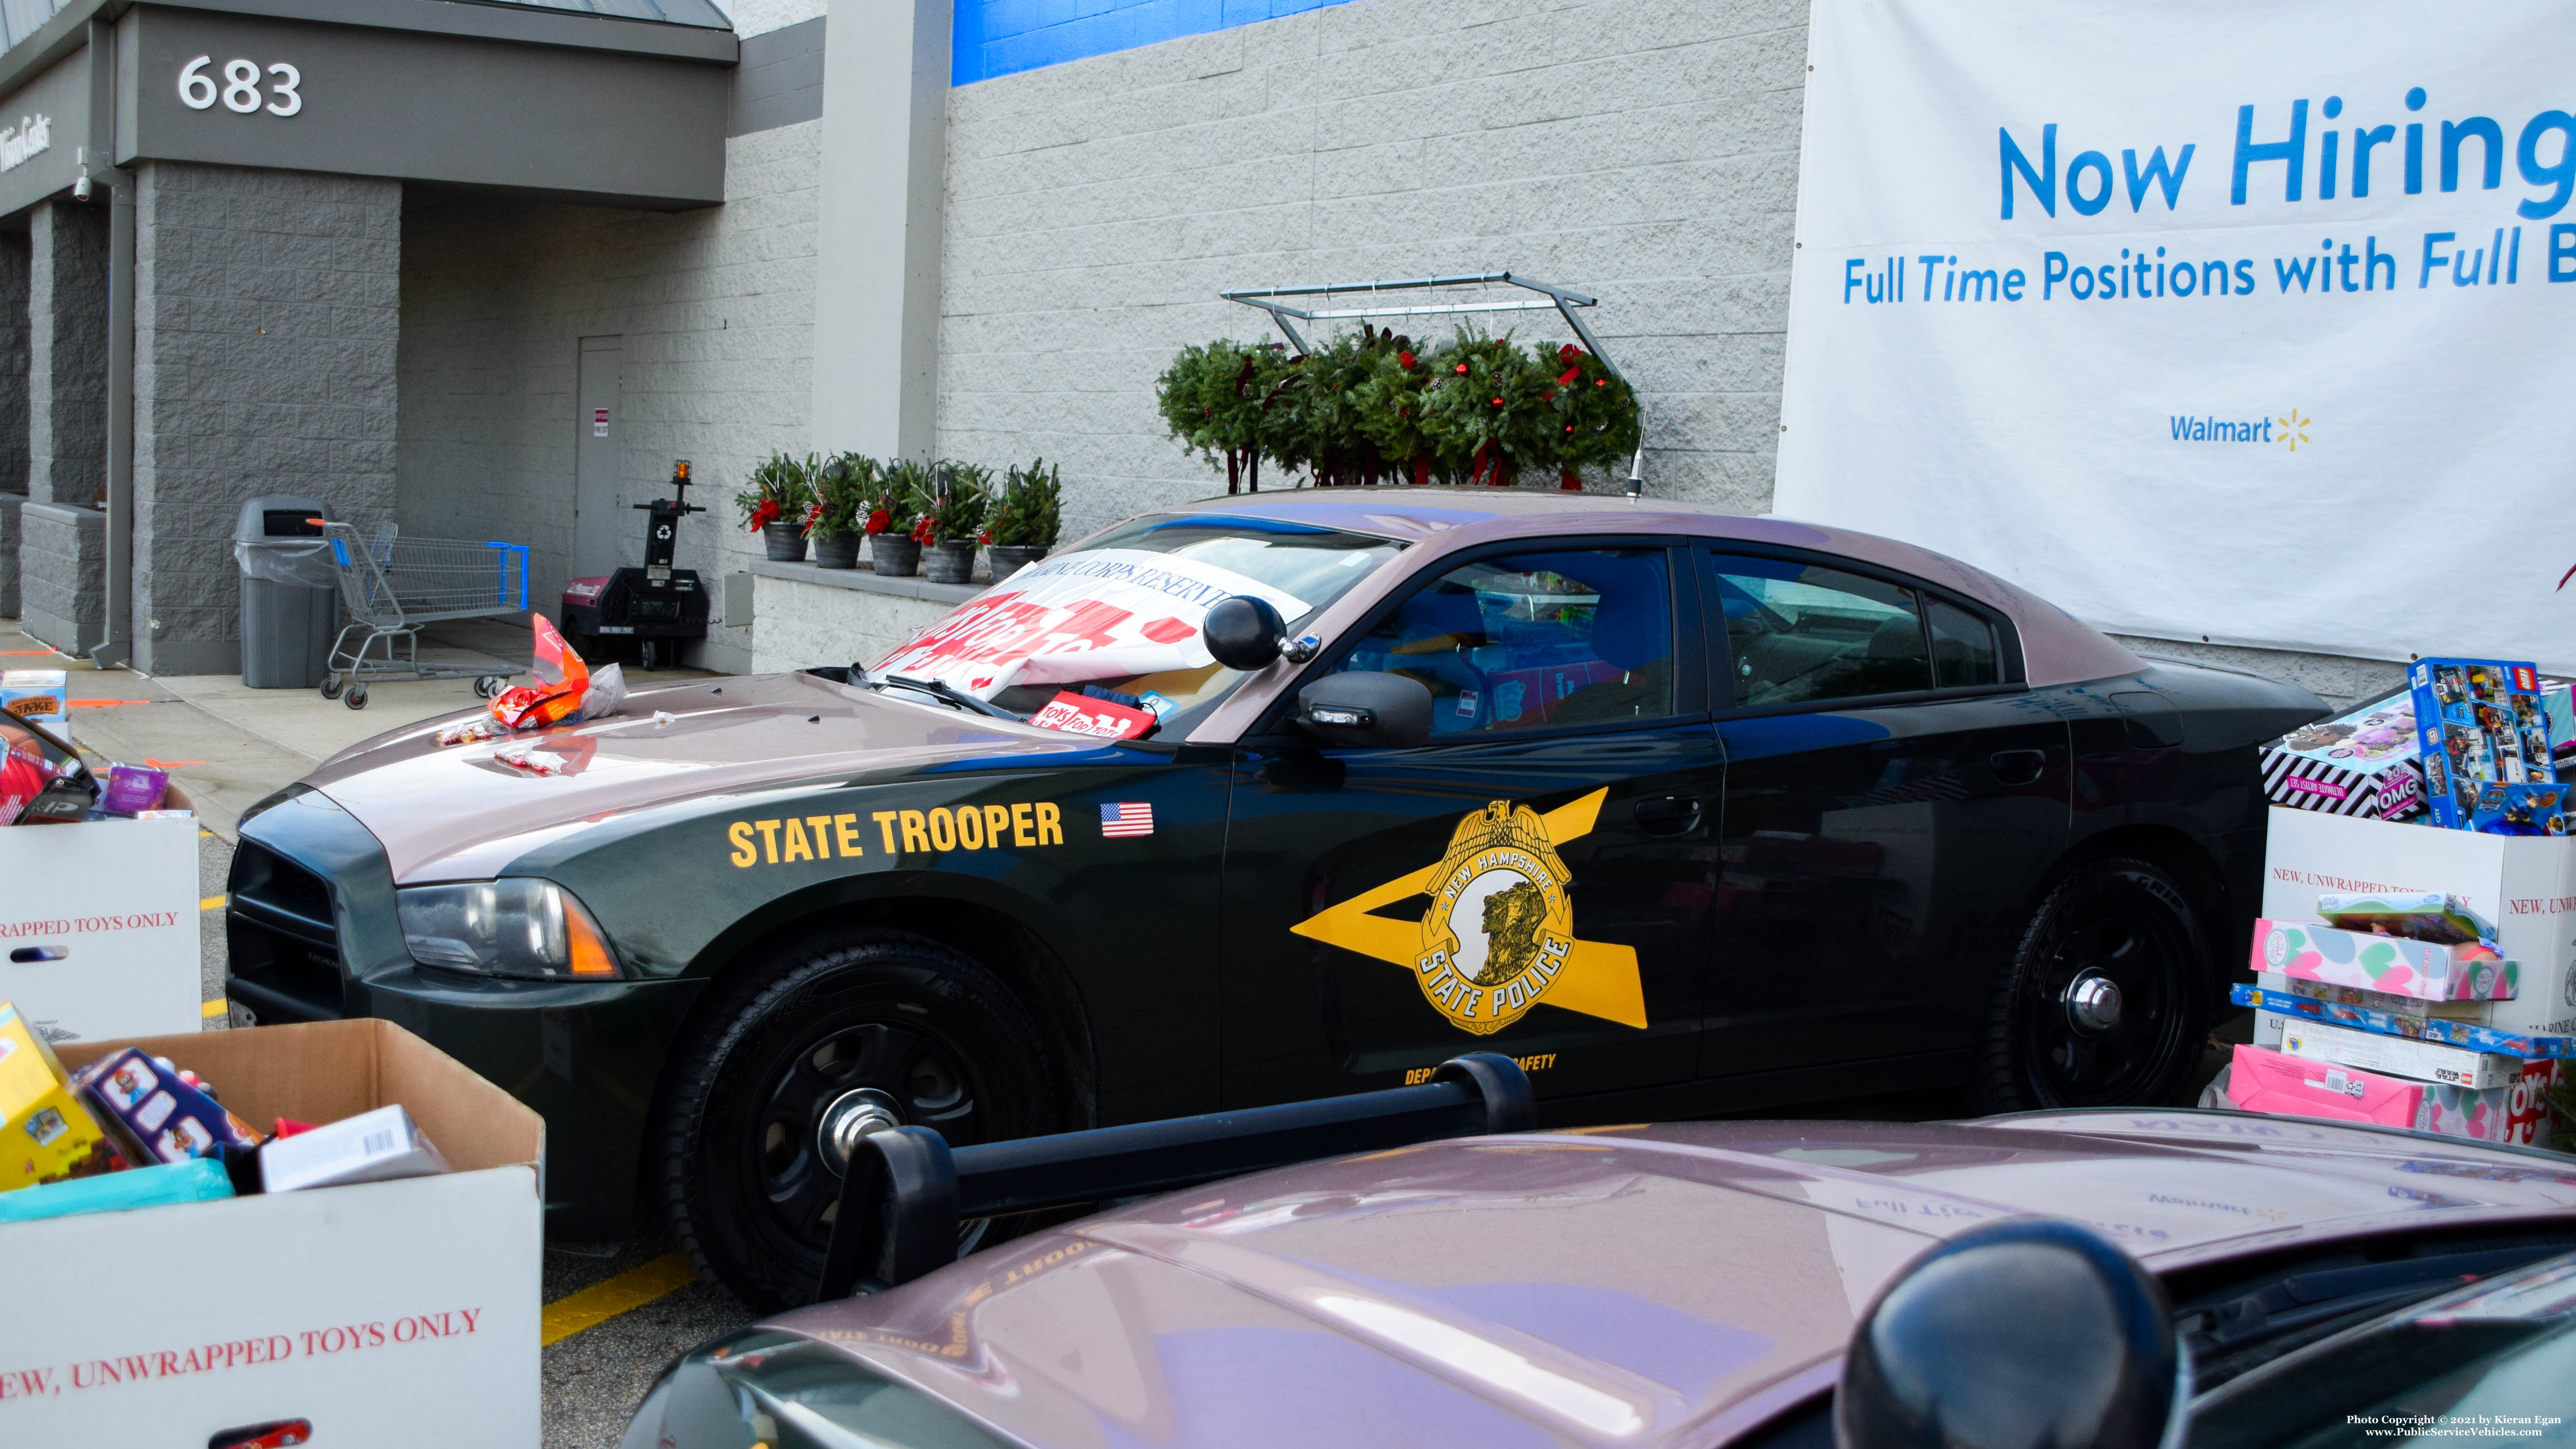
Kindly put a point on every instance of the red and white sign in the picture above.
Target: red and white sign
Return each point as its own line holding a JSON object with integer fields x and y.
{"x": 1107, "y": 613}
{"x": 599, "y": 422}
{"x": 1082, "y": 715}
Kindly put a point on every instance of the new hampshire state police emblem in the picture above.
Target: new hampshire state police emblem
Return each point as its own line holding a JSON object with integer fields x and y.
{"x": 1498, "y": 937}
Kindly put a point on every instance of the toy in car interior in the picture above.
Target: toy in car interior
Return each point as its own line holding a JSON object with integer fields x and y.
{"x": 1686, "y": 811}
{"x": 2100, "y": 1279}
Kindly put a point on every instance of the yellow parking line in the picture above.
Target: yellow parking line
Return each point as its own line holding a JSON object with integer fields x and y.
{"x": 212, "y": 903}
{"x": 213, "y": 1009}
{"x": 624, "y": 1293}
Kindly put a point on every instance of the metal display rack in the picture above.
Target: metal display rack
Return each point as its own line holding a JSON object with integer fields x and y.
{"x": 1551, "y": 298}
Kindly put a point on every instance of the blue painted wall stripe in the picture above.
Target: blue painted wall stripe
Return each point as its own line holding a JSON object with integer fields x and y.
{"x": 1005, "y": 37}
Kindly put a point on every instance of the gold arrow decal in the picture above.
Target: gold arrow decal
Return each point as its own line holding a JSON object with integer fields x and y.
{"x": 1485, "y": 974}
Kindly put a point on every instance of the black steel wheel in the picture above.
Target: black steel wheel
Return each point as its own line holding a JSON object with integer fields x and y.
{"x": 2103, "y": 1000}
{"x": 857, "y": 1029}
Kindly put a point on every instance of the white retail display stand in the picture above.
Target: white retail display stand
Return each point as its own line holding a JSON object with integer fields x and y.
{"x": 2526, "y": 885}
{"x": 99, "y": 926}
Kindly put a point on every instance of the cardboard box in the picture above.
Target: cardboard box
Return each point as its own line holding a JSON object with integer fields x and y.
{"x": 2363, "y": 763}
{"x": 2526, "y": 886}
{"x": 2480, "y": 722}
{"x": 391, "y": 1313}
{"x": 2391, "y": 964}
{"x": 2278, "y": 999}
{"x": 39, "y": 695}
{"x": 99, "y": 926}
{"x": 2277, "y": 1084}
{"x": 2397, "y": 1056}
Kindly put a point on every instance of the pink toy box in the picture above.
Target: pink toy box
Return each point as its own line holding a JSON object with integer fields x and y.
{"x": 2270, "y": 1082}
{"x": 2391, "y": 964}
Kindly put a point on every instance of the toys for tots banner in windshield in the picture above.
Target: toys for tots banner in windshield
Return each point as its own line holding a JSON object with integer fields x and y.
{"x": 2200, "y": 319}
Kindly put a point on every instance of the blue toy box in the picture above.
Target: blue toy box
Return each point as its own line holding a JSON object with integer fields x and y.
{"x": 2484, "y": 741}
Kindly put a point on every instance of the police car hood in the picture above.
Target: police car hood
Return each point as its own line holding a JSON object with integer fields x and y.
{"x": 1630, "y": 1286}
{"x": 461, "y": 812}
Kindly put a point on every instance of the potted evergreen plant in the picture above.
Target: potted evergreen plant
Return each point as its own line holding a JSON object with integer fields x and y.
{"x": 1025, "y": 517}
{"x": 775, "y": 504}
{"x": 843, "y": 490}
{"x": 953, "y": 526}
{"x": 894, "y": 524}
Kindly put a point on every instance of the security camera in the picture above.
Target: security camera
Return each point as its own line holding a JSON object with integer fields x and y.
{"x": 80, "y": 188}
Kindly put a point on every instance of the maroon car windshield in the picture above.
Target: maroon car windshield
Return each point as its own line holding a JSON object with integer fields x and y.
{"x": 1124, "y": 611}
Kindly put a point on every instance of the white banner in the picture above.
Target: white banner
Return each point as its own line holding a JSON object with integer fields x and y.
{"x": 2204, "y": 320}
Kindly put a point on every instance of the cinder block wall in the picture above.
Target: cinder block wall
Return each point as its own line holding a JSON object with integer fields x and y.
{"x": 67, "y": 352}
{"x": 265, "y": 319}
{"x": 715, "y": 308}
{"x": 1640, "y": 151}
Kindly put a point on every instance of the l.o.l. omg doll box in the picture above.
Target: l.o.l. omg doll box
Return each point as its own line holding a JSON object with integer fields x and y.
{"x": 389, "y": 1313}
{"x": 2526, "y": 885}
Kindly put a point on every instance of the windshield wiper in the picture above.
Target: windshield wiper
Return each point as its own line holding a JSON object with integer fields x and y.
{"x": 2229, "y": 1338}
{"x": 947, "y": 694}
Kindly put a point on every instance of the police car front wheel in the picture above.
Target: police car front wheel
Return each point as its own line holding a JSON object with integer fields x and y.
{"x": 747, "y": 1147}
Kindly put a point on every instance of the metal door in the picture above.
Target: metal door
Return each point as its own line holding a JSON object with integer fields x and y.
{"x": 602, "y": 534}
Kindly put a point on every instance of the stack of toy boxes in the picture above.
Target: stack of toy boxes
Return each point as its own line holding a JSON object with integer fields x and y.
{"x": 2374, "y": 762}
{"x": 2383, "y": 1012}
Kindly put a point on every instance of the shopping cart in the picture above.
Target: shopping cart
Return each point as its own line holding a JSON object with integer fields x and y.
{"x": 390, "y": 586}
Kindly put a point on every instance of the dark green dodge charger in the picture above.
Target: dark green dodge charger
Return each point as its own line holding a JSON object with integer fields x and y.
{"x": 1289, "y": 795}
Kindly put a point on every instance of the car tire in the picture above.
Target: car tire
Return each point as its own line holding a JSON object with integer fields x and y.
{"x": 2053, "y": 1038}
{"x": 736, "y": 1156}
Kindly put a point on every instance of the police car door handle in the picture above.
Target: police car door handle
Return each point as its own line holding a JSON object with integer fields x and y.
{"x": 1668, "y": 814}
{"x": 2018, "y": 767}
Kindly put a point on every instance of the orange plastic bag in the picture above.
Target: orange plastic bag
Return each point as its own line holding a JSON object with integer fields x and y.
{"x": 561, "y": 678}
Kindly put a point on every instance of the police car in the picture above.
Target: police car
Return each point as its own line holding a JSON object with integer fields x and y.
{"x": 1287, "y": 795}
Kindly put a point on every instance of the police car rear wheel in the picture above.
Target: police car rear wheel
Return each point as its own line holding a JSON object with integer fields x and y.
{"x": 744, "y": 1149}
{"x": 2103, "y": 1001}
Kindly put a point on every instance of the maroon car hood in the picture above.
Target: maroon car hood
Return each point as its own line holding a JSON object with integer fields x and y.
{"x": 1666, "y": 1285}
{"x": 457, "y": 812}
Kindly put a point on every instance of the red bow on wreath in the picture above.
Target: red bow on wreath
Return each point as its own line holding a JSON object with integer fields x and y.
{"x": 766, "y": 514}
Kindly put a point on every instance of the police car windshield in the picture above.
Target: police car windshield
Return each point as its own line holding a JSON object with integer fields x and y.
{"x": 1117, "y": 619}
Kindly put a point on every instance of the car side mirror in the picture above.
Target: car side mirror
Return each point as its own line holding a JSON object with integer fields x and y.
{"x": 2024, "y": 1334}
{"x": 1365, "y": 710}
{"x": 1243, "y": 633}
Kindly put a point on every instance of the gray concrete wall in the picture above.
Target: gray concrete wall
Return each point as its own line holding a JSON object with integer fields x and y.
{"x": 67, "y": 352}
{"x": 265, "y": 320}
{"x": 63, "y": 591}
{"x": 14, "y": 254}
{"x": 715, "y": 308}
{"x": 1643, "y": 151}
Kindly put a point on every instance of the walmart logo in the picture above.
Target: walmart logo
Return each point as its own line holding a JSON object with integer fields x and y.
{"x": 2291, "y": 429}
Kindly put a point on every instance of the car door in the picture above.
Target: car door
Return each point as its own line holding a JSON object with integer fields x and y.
{"x": 1892, "y": 796}
{"x": 1534, "y": 880}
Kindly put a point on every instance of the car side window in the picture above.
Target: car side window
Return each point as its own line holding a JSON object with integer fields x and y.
{"x": 1963, "y": 647}
{"x": 1543, "y": 637}
{"x": 1799, "y": 632}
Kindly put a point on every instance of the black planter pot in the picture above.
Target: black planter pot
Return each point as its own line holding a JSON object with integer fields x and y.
{"x": 1010, "y": 558}
{"x": 836, "y": 550}
{"x": 898, "y": 556}
{"x": 950, "y": 562}
{"x": 786, "y": 545}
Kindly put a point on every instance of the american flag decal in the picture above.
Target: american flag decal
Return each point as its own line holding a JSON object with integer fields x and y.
{"x": 1126, "y": 818}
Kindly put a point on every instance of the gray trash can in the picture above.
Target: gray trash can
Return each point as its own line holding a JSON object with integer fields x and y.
{"x": 290, "y": 608}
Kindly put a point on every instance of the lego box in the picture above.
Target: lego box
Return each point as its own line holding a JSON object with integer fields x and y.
{"x": 2526, "y": 886}
{"x": 386, "y": 1314}
{"x": 2397, "y": 1056}
{"x": 2481, "y": 723}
